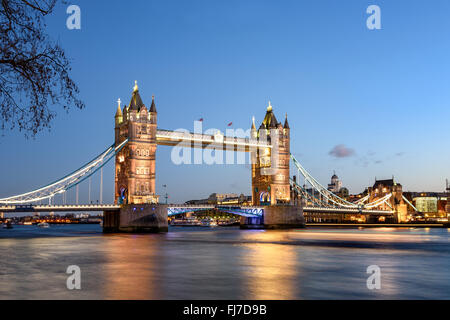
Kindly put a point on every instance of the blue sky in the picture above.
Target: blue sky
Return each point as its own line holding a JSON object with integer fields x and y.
{"x": 384, "y": 94}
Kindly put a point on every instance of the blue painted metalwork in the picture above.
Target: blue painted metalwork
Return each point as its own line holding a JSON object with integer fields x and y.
{"x": 237, "y": 210}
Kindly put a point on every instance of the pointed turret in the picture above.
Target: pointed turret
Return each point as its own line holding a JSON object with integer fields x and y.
{"x": 119, "y": 110}
{"x": 125, "y": 113}
{"x": 270, "y": 121}
{"x": 153, "y": 106}
{"x": 136, "y": 101}
{"x": 273, "y": 121}
{"x": 253, "y": 132}
{"x": 286, "y": 123}
{"x": 119, "y": 116}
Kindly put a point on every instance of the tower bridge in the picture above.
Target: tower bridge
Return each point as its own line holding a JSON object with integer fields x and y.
{"x": 277, "y": 199}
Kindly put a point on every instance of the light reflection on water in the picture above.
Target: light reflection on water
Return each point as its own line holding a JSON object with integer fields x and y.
{"x": 228, "y": 263}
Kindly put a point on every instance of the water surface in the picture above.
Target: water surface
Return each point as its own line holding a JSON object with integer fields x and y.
{"x": 224, "y": 263}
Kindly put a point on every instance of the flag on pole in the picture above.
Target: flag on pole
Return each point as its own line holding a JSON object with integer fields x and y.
{"x": 230, "y": 124}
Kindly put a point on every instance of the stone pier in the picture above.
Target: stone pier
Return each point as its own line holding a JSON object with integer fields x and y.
{"x": 136, "y": 218}
{"x": 276, "y": 217}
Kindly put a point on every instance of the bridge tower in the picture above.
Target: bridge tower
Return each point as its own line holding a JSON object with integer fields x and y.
{"x": 382, "y": 188}
{"x": 270, "y": 166}
{"x": 135, "y": 163}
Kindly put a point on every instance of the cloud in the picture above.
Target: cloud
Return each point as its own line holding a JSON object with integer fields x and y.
{"x": 341, "y": 151}
{"x": 399, "y": 154}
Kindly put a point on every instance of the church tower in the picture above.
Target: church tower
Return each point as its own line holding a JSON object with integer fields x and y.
{"x": 135, "y": 163}
{"x": 270, "y": 166}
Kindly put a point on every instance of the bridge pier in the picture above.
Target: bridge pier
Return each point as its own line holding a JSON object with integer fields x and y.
{"x": 136, "y": 218}
{"x": 276, "y": 217}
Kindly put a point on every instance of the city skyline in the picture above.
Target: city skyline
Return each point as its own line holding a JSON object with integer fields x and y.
{"x": 326, "y": 91}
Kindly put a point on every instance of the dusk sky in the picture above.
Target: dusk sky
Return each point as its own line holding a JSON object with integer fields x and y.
{"x": 364, "y": 103}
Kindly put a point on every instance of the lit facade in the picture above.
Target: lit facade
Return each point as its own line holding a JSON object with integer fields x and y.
{"x": 135, "y": 163}
{"x": 270, "y": 166}
{"x": 381, "y": 188}
{"x": 426, "y": 204}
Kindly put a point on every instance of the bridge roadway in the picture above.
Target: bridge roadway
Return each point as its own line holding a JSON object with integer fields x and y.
{"x": 61, "y": 208}
{"x": 174, "y": 209}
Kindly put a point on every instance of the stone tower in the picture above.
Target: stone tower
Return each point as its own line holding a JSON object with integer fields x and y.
{"x": 135, "y": 163}
{"x": 382, "y": 188}
{"x": 270, "y": 166}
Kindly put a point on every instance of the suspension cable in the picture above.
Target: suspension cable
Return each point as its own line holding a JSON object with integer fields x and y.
{"x": 67, "y": 182}
{"x": 335, "y": 199}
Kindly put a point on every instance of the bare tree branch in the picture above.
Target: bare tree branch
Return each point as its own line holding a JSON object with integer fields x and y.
{"x": 34, "y": 70}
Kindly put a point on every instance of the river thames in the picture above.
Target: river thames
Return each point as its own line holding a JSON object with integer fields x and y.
{"x": 225, "y": 263}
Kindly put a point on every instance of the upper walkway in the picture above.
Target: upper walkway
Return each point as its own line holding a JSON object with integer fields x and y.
{"x": 216, "y": 141}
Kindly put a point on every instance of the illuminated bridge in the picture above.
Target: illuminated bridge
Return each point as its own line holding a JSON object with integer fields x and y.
{"x": 276, "y": 190}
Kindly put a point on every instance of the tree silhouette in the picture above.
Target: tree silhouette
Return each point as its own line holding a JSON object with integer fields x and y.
{"x": 34, "y": 71}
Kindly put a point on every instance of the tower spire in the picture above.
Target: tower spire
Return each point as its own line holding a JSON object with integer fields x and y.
{"x": 153, "y": 106}
{"x": 119, "y": 110}
{"x": 136, "y": 88}
{"x": 286, "y": 123}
